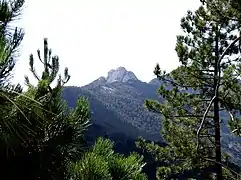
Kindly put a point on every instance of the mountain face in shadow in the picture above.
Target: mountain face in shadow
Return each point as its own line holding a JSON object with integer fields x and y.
{"x": 118, "y": 112}
{"x": 117, "y": 105}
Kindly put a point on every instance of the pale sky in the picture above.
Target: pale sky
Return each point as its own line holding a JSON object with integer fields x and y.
{"x": 92, "y": 37}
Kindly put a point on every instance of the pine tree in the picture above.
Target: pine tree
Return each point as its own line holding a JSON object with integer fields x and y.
{"x": 102, "y": 163}
{"x": 193, "y": 96}
{"x": 54, "y": 138}
{"x": 11, "y": 129}
{"x": 10, "y": 39}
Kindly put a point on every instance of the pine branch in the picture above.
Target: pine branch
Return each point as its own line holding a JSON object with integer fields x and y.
{"x": 191, "y": 116}
{"x": 224, "y": 166}
{"x": 11, "y": 49}
{"x": 215, "y": 90}
{"x": 203, "y": 120}
{"x": 235, "y": 130}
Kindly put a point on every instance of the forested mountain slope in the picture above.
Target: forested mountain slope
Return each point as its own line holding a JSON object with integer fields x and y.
{"x": 117, "y": 105}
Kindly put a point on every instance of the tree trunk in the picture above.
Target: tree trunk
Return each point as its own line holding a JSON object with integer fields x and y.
{"x": 216, "y": 117}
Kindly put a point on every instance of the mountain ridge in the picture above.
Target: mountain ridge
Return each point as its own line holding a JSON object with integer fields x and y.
{"x": 119, "y": 88}
{"x": 120, "y": 74}
{"x": 118, "y": 109}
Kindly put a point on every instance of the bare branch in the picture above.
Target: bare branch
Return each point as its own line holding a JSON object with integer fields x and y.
{"x": 215, "y": 90}
{"x": 203, "y": 120}
{"x": 191, "y": 116}
{"x": 224, "y": 166}
{"x": 235, "y": 130}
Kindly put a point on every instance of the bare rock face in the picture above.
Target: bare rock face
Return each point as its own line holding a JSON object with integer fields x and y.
{"x": 120, "y": 75}
{"x": 101, "y": 80}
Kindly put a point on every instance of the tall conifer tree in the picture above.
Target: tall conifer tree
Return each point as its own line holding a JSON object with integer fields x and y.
{"x": 203, "y": 86}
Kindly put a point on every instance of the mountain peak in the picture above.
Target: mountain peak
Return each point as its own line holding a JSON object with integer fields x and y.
{"x": 121, "y": 69}
{"x": 121, "y": 75}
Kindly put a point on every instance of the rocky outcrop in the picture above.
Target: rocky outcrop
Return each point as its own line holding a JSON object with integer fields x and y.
{"x": 120, "y": 75}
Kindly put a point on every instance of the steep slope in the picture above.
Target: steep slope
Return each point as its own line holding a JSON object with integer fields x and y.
{"x": 126, "y": 100}
{"x": 117, "y": 104}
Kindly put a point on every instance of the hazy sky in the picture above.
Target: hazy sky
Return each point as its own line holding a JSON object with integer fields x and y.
{"x": 93, "y": 36}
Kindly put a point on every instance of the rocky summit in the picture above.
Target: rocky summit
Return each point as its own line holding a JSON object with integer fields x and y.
{"x": 120, "y": 75}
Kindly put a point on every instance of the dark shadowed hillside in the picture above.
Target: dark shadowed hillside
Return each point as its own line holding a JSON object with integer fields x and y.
{"x": 117, "y": 104}
{"x": 118, "y": 112}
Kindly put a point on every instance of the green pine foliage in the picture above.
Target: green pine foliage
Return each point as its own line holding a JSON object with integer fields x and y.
{"x": 101, "y": 162}
{"x": 53, "y": 134}
{"x": 10, "y": 39}
{"x": 194, "y": 95}
{"x": 41, "y": 138}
